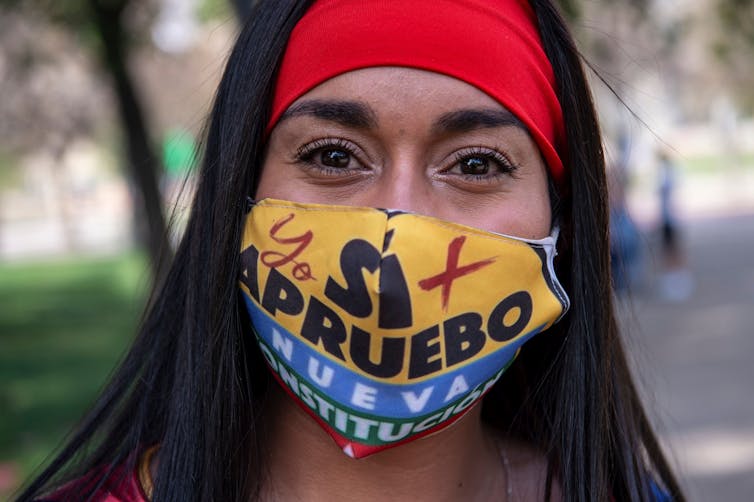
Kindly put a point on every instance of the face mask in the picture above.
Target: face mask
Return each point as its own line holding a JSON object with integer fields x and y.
{"x": 386, "y": 326}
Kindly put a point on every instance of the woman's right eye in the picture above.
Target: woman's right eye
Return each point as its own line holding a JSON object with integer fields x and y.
{"x": 330, "y": 157}
{"x": 334, "y": 157}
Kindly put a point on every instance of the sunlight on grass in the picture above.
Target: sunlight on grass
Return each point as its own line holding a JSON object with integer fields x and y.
{"x": 63, "y": 326}
{"x": 711, "y": 164}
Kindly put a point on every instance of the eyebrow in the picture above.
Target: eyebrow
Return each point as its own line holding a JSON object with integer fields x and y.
{"x": 346, "y": 113}
{"x": 472, "y": 119}
{"x": 360, "y": 115}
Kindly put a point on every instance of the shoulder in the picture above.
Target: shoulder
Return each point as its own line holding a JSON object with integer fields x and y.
{"x": 528, "y": 475}
{"x": 115, "y": 485}
{"x": 528, "y": 472}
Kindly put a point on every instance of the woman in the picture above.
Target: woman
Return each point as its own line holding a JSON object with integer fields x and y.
{"x": 470, "y": 121}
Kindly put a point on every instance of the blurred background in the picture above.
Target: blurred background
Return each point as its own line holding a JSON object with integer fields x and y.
{"x": 102, "y": 104}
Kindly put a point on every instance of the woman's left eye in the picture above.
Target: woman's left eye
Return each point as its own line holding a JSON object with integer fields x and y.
{"x": 480, "y": 164}
{"x": 335, "y": 157}
{"x": 474, "y": 165}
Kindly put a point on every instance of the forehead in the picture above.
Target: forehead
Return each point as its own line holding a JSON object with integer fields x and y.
{"x": 390, "y": 89}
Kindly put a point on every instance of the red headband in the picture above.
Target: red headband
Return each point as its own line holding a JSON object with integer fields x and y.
{"x": 493, "y": 45}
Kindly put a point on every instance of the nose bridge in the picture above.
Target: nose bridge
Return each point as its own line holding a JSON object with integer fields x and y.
{"x": 404, "y": 185}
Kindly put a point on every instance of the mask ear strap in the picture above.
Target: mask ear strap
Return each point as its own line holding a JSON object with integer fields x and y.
{"x": 555, "y": 234}
{"x": 248, "y": 204}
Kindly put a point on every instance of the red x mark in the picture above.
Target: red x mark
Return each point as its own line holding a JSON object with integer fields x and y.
{"x": 452, "y": 271}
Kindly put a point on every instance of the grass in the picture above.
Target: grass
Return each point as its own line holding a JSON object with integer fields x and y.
{"x": 711, "y": 164}
{"x": 63, "y": 327}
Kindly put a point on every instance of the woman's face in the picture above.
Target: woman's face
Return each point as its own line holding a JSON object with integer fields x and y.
{"x": 408, "y": 139}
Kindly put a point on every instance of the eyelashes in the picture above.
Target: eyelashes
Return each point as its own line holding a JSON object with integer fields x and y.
{"x": 339, "y": 157}
{"x": 478, "y": 161}
{"x": 334, "y": 156}
{"x": 305, "y": 153}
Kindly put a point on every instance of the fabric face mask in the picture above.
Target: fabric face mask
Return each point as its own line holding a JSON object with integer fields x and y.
{"x": 387, "y": 326}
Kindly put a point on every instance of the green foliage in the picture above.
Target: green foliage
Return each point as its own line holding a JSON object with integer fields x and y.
{"x": 571, "y": 9}
{"x": 215, "y": 9}
{"x": 73, "y": 14}
{"x": 10, "y": 174}
{"x": 737, "y": 17}
{"x": 714, "y": 164}
{"x": 733, "y": 47}
{"x": 63, "y": 326}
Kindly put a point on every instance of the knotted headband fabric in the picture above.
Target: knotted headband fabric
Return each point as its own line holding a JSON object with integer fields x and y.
{"x": 493, "y": 45}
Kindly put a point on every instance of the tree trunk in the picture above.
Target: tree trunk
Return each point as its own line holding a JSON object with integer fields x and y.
{"x": 142, "y": 162}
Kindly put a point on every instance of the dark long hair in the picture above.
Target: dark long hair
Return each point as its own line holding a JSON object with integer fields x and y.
{"x": 193, "y": 381}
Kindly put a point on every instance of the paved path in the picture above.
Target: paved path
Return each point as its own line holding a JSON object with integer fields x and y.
{"x": 696, "y": 360}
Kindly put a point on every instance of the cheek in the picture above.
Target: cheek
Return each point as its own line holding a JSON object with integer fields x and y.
{"x": 530, "y": 220}
{"x": 539, "y": 218}
{"x": 540, "y": 213}
{"x": 276, "y": 179}
{"x": 265, "y": 183}
{"x": 528, "y": 212}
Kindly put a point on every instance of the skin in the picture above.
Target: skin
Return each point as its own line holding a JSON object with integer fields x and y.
{"x": 431, "y": 144}
{"x": 403, "y": 160}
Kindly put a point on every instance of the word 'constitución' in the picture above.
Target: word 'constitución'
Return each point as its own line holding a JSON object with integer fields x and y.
{"x": 369, "y": 429}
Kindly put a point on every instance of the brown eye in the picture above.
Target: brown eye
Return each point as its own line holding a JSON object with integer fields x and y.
{"x": 474, "y": 165}
{"x": 333, "y": 157}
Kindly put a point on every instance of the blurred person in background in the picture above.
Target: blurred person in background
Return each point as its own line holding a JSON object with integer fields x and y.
{"x": 625, "y": 238}
{"x": 307, "y": 345}
{"x": 674, "y": 282}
